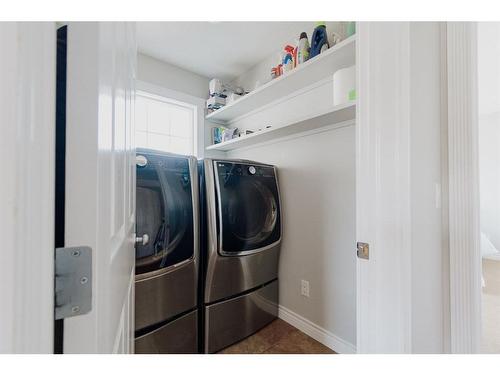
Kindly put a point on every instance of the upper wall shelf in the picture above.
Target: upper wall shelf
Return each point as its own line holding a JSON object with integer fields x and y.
{"x": 339, "y": 56}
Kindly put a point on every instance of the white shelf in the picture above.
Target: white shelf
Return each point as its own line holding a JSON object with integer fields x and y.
{"x": 336, "y": 117}
{"x": 339, "y": 56}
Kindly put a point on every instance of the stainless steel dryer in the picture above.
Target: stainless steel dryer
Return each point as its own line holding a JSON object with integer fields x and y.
{"x": 242, "y": 239}
{"x": 167, "y": 253}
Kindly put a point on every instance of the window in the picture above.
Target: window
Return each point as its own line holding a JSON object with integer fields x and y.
{"x": 165, "y": 125}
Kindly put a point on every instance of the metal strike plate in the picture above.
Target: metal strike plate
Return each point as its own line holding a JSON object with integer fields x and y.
{"x": 363, "y": 250}
{"x": 73, "y": 274}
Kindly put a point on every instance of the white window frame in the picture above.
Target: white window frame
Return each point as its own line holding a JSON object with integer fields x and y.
{"x": 175, "y": 97}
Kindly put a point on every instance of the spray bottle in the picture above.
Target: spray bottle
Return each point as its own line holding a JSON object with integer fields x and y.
{"x": 303, "y": 49}
{"x": 288, "y": 58}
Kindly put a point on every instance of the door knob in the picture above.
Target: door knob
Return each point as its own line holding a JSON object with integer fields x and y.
{"x": 143, "y": 240}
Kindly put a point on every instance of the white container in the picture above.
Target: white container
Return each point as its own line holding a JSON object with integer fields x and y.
{"x": 233, "y": 97}
{"x": 216, "y": 102}
{"x": 344, "y": 85}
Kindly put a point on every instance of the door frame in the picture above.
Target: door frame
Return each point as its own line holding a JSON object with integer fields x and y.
{"x": 463, "y": 189}
{"x": 27, "y": 147}
{"x": 383, "y": 212}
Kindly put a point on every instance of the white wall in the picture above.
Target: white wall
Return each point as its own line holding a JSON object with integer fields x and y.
{"x": 489, "y": 66}
{"x": 317, "y": 184}
{"x": 172, "y": 77}
{"x": 489, "y": 128}
{"x": 27, "y": 143}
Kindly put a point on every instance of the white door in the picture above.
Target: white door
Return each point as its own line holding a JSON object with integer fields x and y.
{"x": 100, "y": 180}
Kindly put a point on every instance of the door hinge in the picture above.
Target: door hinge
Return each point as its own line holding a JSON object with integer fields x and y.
{"x": 363, "y": 250}
{"x": 73, "y": 281}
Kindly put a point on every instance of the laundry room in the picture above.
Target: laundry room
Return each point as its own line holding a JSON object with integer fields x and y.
{"x": 278, "y": 99}
{"x": 227, "y": 186}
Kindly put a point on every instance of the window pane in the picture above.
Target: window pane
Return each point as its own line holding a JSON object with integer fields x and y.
{"x": 158, "y": 117}
{"x": 141, "y": 139}
{"x": 164, "y": 125}
{"x": 181, "y": 122}
{"x": 159, "y": 142}
{"x": 181, "y": 146}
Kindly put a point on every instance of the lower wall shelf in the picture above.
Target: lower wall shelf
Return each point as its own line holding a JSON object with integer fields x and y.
{"x": 337, "y": 115}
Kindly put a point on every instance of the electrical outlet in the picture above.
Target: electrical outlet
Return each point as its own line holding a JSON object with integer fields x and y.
{"x": 304, "y": 288}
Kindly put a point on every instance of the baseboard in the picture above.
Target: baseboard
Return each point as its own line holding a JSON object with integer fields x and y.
{"x": 318, "y": 333}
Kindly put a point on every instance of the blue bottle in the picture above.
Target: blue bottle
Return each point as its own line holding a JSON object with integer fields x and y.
{"x": 319, "y": 40}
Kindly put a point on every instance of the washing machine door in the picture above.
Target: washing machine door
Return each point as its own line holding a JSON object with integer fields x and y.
{"x": 249, "y": 207}
{"x": 164, "y": 211}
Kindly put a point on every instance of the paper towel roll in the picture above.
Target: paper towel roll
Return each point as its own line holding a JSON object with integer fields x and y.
{"x": 344, "y": 85}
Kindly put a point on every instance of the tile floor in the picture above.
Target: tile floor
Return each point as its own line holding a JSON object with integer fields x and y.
{"x": 278, "y": 337}
{"x": 490, "y": 342}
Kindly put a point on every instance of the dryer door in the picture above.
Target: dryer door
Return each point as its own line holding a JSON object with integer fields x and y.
{"x": 164, "y": 211}
{"x": 249, "y": 208}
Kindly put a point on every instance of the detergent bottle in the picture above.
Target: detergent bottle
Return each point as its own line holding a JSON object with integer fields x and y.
{"x": 288, "y": 58}
{"x": 319, "y": 40}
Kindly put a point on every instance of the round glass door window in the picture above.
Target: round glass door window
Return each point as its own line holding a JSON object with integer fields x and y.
{"x": 164, "y": 212}
{"x": 249, "y": 204}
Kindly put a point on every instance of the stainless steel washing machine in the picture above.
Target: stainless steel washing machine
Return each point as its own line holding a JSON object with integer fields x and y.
{"x": 242, "y": 246}
{"x": 167, "y": 253}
